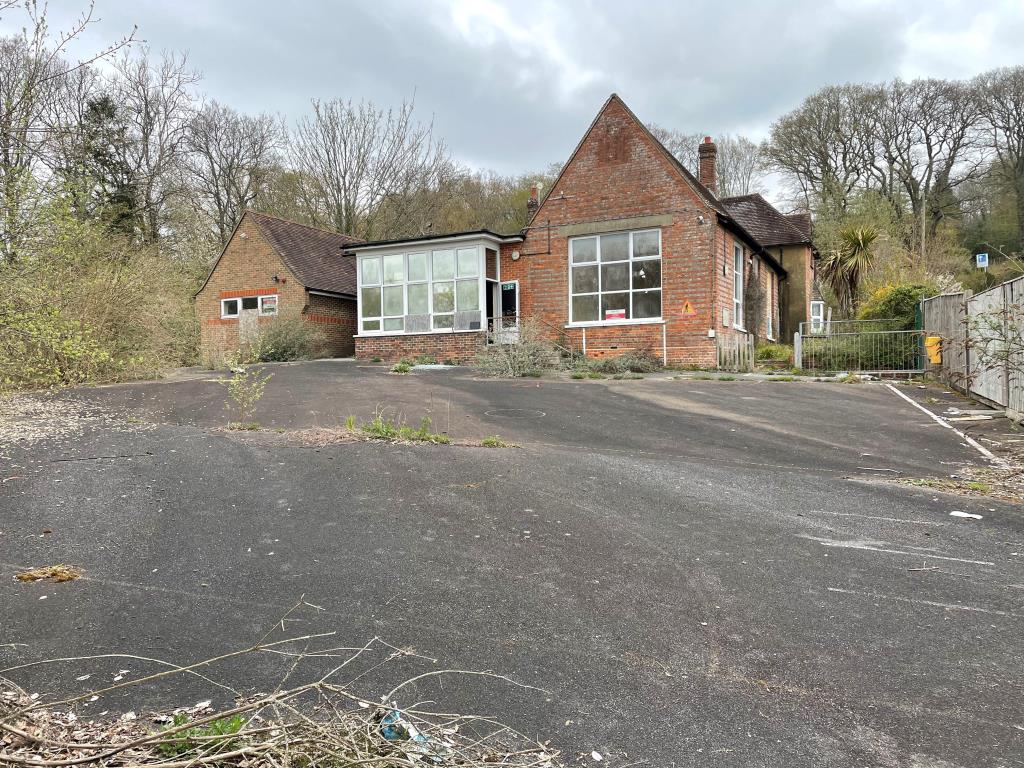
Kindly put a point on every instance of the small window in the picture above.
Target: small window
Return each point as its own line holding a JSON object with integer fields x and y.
{"x": 443, "y": 265}
{"x": 251, "y": 302}
{"x": 817, "y": 316}
{"x": 229, "y": 308}
{"x": 394, "y": 269}
{"x": 417, "y": 267}
{"x": 370, "y": 270}
{"x": 469, "y": 264}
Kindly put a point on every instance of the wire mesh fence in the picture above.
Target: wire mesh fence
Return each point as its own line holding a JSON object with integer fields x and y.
{"x": 861, "y": 346}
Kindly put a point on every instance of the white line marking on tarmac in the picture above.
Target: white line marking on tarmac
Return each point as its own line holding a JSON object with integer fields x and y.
{"x": 969, "y": 440}
{"x": 884, "y": 550}
{"x": 931, "y": 603}
{"x": 875, "y": 517}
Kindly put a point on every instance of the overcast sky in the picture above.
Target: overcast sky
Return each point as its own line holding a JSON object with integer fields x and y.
{"x": 511, "y": 86}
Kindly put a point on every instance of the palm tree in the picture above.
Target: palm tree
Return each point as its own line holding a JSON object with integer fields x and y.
{"x": 843, "y": 268}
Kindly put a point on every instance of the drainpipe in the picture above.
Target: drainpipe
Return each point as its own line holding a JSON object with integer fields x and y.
{"x": 664, "y": 343}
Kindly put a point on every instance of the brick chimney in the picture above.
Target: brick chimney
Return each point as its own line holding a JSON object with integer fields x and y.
{"x": 707, "y": 154}
{"x": 534, "y": 202}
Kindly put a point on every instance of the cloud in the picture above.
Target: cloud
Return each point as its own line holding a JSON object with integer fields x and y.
{"x": 512, "y": 84}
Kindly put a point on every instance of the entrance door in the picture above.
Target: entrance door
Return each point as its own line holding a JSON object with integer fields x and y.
{"x": 510, "y": 311}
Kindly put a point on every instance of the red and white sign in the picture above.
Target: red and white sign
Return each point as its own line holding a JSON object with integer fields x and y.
{"x": 615, "y": 314}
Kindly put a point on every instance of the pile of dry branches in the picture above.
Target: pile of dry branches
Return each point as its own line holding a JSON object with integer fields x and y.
{"x": 323, "y": 722}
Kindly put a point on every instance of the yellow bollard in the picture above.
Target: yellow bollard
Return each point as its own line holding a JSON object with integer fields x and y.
{"x": 933, "y": 346}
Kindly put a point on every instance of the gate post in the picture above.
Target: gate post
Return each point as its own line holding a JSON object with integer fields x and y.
{"x": 797, "y": 352}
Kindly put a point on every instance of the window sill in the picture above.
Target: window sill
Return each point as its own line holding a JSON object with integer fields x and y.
{"x": 607, "y": 323}
{"x": 439, "y": 332}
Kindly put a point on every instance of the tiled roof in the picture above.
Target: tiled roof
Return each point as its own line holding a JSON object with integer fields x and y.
{"x": 314, "y": 255}
{"x": 802, "y": 222}
{"x": 767, "y": 224}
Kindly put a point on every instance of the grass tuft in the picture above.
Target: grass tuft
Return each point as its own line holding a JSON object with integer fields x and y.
{"x": 244, "y": 426}
{"x": 493, "y": 441}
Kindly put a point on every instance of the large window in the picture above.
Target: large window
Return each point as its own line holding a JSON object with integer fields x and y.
{"x": 615, "y": 277}
{"x": 420, "y": 291}
{"x": 737, "y": 285}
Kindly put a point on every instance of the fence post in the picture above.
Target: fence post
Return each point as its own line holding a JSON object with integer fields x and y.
{"x": 798, "y": 362}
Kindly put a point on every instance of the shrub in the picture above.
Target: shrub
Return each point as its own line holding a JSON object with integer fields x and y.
{"x": 284, "y": 339}
{"x": 896, "y": 302}
{"x": 402, "y": 366}
{"x": 83, "y": 304}
{"x": 775, "y": 352}
{"x": 633, "y": 361}
{"x": 245, "y": 388}
{"x": 529, "y": 355}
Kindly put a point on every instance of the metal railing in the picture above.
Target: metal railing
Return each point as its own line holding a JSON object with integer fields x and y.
{"x": 880, "y": 351}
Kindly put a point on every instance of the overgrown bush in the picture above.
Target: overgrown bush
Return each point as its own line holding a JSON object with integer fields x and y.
{"x": 284, "y": 339}
{"x": 529, "y": 355}
{"x": 80, "y": 304}
{"x": 775, "y": 352}
{"x": 896, "y": 302}
{"x": 633, "y": 361}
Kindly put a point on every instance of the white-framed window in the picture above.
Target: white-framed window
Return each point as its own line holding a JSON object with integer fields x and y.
{"x": 770, "y": 322}
{"x": 265, "y": 305}
{"x": 420, "y": 291}
{"x": 268, "y": 305}
{"x": 817, "y": 316}
{"x": 737, "y": 286}
{"x": 615, "y": 278}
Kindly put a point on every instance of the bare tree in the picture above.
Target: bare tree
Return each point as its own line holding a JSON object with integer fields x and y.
{"x": 922, "y": 143}
{"x": 355, "y": 156}
{"x": 1002, "y": 107}
{"x": 159, "y": 101}
{"x": 231, "y": 159}
{"x": 740, "y": 166}
{"x": 683, "y": 146}
{"x": 820, "y": 146}
{"x": 31, "y": 65}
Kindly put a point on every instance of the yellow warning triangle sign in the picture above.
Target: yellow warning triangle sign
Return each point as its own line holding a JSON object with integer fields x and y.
{"x": 688, "y": 308}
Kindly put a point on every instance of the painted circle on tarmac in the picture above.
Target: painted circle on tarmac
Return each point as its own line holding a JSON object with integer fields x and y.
{"x": 515, "y": 413}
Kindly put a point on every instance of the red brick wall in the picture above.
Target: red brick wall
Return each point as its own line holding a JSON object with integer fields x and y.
{"x": 336, "y": 319}
{"x": 619, "y": 173}
{"x": 457, "y": 347}
{"x": 247, "y": 268}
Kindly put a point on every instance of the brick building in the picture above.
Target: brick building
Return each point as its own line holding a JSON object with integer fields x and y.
{"x": 275, "y": 268}
{"x": 627, "y": 251}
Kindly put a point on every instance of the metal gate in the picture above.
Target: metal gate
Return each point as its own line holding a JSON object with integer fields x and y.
{"x": 879, "y": 347}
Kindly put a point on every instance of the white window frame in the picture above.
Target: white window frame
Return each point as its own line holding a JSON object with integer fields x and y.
{"x": 263, "y": 300}
{"x": 738, "y": 255}
{"x": 817, "y": 323}
{"x": 630, "y": 260}
{"x": 770, "y": 326}
{"x": 428, "y": 249}
{"x": 260, "y": 300}
{"x": 238, "y": 308}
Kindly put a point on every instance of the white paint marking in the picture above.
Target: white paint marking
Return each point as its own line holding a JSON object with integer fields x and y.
{"x": 931, "y": 603}
{"x": 970, "y": 515}
{"x": 969, "y": 440}
{"x": 874, "y": 517}
{"x": 884, "y": 550}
